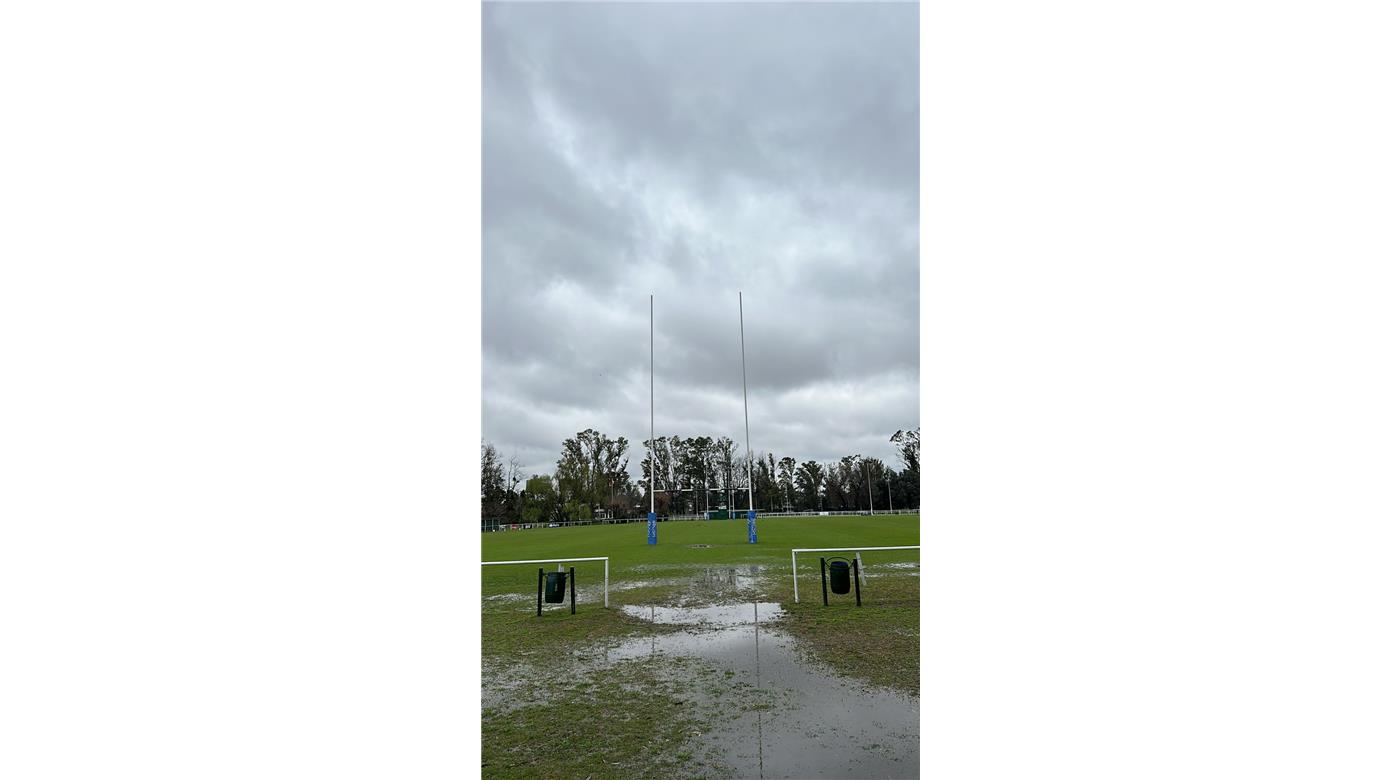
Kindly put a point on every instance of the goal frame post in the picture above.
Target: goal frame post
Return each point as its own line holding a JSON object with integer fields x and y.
{"x": 796, "y": 550}
{"x": 603, "y": 558}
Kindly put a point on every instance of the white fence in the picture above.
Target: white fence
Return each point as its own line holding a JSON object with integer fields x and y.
{"x": 497, "y": 525}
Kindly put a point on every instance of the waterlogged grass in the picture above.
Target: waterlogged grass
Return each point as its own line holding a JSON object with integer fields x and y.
{"x": 663, "y": 574}
{"x": 877, "y": 642}
{"x": 556, "y": 711}
{"x": 551, "y": 709}
{"x": 510, "y": 630}
{"x": 619, "y": 722}
{"x": 632, "y": 719}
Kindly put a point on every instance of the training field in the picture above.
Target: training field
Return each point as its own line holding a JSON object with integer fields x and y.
{"x": 703, "y": 665}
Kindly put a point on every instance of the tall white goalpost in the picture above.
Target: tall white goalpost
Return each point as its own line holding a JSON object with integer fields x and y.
{"x": 744, "y": 365}
{"x": 651, "y": 443}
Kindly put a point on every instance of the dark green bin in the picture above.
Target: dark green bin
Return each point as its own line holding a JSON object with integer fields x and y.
{"x": 554, "y": 584}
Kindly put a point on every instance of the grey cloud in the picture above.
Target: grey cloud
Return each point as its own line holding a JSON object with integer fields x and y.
{"x": 692, "y": 150}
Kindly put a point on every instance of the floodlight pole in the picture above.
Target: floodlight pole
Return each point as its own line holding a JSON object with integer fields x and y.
{"x": 651, "y": 516}
{"x": 743, "y": 362}
{"x": 869, "y": 489}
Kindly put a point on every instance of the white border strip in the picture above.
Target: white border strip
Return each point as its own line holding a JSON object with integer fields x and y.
{"x": 797, "y": 550}
{"x": 603, "y": 558}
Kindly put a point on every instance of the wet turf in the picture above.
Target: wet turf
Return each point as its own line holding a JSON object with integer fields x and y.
{"x": 726, "y": 540}
{"x": 877, "y": 642}
{"x": 692, "y": 683}
{"x": 820, "y": 725}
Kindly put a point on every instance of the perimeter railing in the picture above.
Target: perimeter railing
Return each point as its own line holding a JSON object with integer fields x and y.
{"x": 504, "y": 525}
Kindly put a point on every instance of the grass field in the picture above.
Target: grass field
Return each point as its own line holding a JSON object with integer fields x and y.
{"x": 542, "y": 660}
{"x": 627, "y": 547}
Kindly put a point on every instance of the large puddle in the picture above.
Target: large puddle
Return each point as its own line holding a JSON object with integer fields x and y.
{"x": 824, "y": 726}
{"x": 732, "y": 577}
{"x": 710, "y": 582}
{"x": 717, "y": 615}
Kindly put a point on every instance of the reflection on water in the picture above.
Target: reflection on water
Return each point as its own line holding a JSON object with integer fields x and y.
{"x": 716, "y": 615}
{"x": 826, "y": 725}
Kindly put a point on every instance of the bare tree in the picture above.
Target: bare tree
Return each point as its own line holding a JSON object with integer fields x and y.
{"x": 513, "y": 478}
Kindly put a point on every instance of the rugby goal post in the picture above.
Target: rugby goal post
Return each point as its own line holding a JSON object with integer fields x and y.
{"x": 857, "y": 550}
{"x": 603, "y": 558}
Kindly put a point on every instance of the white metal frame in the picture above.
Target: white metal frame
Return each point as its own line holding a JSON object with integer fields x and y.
{"x": 603, "y": 558}
{"x": 856, "y": 550}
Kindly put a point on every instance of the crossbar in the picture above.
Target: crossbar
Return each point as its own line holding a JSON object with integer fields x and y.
{"x": 797, "y": 550}
{"x": 603, "y": 558}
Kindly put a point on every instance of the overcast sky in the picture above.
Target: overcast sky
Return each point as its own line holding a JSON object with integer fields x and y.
{"x": 693, "y": 151}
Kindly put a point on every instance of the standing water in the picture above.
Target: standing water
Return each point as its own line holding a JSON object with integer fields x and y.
{"x": 825, "y": 726}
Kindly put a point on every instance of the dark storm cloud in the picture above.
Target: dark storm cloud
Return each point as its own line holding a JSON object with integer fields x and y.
{"x": 693, "y": 151}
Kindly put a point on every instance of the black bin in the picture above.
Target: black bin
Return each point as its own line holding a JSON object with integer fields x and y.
{"x": 554, "y": 583}
{"x": 840, "y": 576}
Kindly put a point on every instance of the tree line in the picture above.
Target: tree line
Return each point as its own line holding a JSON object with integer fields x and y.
{"x": 693, "y": 474}
{"x": 696, "y": 473}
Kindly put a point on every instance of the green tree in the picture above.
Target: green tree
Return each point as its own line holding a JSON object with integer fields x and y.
{"x": 493, "y": 482}
{"x": 659, "y": 457}
{"x": 588, "y": 471}
{"x": 906, "y": 490}
{"x": 907, "y": 444}
{"x": 693, "y": 467}
{"x": 704, "y": 464}
{"x": 772, "y": 496}
{"x": 842, "y": 481}
{"x": 540, "y": 501}
{"x": 787, "y": 468}
{"x": 673, "y": 476}
{"x": 869, "y": 473}
{"x": 808, "y": 482}
{"x": 726, "y": 468}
